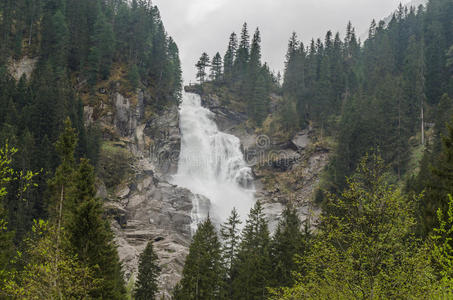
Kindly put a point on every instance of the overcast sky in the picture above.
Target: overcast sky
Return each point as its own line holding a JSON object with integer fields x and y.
{"x": 205, "y": 25}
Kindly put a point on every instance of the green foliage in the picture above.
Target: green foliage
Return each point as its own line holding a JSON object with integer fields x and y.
{"x": 51, "y": 272}
{"x": 287, "y": 242}
{"x": 442, "y": 236}
{"x": 148, "y": 272}
{"x": 7, "y": 176}
{"x": 216, "y": 68}
{"x": 61, "y": 185}
{"x": 113, "y": 164}
{"x": 229, "y": 58}
{"x": 201, "y": 65}
{"x": 24, "y": 182}
{"x": 442, "y": 252}
{"x": 253, "y": 260}
{"x": 134, "y": 76}
{"x": 243, "y": 76}
{"x": 75, "y": 43}
{"x": 202, "y": 274}
{"x": 438, "y": 184}
{"x": 365, "y": 246}
{"x": 230, "y": 235}
{"x": 242, "y": 55}
{"x": 90, "y": 236}
{"x": 7, "y": 250}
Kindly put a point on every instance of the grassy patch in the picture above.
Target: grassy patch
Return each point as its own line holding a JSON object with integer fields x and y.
{"x": 114, "y": 164}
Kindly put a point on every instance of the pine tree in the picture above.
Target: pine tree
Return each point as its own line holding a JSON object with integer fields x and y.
{"x": 341, "y": 262}
{"x": 253, "y": 263}
{"x": 216, "y": 68}
{"x": 230, "y": 235}
{"x": 288, "y": 241}
{"x": 105, "y": 42}
{"x": 255, "y": 54}
{"x": 175, "y": 69}
{"x": 242, "y": 54}
{"x": 201, "y": 65}
{"x": 146, "y": 286}
{"x": 202, "y": 274}
{"x": 62, "y": 184}
{"x": 229, "y": 58}
{"x": 91, "y": 238}
{"x": 101, "y": 52}
{"x": 293, "y": 46}
{"x": 258, "y": 103}
{"x": 439, "y": 184}
{"x": 55, "y": 41}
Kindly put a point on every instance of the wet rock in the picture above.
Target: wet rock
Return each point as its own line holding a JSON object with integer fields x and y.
{"x": 123, "y": 193}
{"x": 166, "y": 136}
{"x": 301, "y": 140}
{"x": 125, "y": 121}
{"x": 118, "y": 213}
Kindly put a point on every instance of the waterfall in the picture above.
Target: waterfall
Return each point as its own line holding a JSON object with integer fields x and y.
{"x": 211, "y": 165}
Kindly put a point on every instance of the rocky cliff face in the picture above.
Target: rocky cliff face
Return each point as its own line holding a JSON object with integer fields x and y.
{"x": 140, "y": 152}
{"x": 142, "y": 204}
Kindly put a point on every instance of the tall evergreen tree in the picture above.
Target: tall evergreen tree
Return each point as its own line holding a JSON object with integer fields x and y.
{"x": 439, "y": 184}
{"x": 253, "y": 263}
{"x": 216, "y": 68}
{"x": 202, "y": 274}
{"x": 229, "y": 58}
{"x": 342, "y": 263}
{"x": 55, "y": 43}
{"x": 242, "y": 54}
{"x": 146, "y": 286}
{"x": 201, "y": 65}
{"x": 288, "y": 241}
{"x": 61, "y": 186}
{"x": 101, "y": 53}
{"x": 91, "y": 238}
{"x": 258, "y": 103}
{"x": 230, "y": 235}
{"x": 255, "y": 54}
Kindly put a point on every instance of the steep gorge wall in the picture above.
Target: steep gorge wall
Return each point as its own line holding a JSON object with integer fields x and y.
{"x": 145, "y": 206}
{"x": 142, "y": 204}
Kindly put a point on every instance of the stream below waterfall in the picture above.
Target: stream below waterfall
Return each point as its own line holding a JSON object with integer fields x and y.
{"x": 211, "y": 165}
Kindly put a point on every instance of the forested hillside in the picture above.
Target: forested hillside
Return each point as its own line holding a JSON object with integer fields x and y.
{"x": 384, "y": 105}
{"x": 89, "y": 89}
{"x": 391, "y": 93}
{"x": 56, "y": 57}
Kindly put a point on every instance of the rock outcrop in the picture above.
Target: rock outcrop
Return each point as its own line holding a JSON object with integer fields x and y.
{"x": 285, "y": 170}
{"x": 24, "y": 66}
{"x": 143, "y": 206}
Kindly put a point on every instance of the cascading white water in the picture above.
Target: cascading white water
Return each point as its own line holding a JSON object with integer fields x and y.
{"x": 211, "y": 164}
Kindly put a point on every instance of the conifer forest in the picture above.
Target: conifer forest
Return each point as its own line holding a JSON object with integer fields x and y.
{"x": 331, "y": 178}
